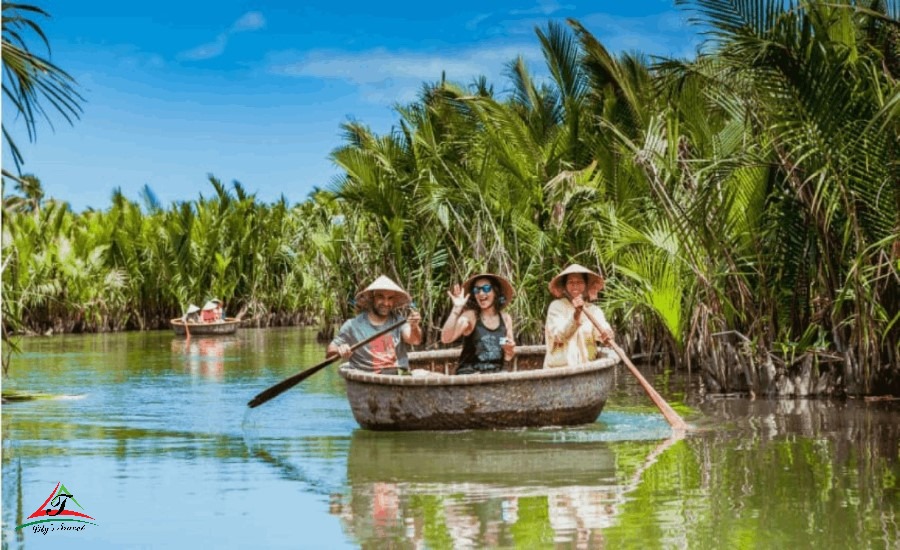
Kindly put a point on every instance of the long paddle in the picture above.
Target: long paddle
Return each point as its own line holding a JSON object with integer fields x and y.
{"x": 672, "y": 417}
{"x": 289, "y": 383}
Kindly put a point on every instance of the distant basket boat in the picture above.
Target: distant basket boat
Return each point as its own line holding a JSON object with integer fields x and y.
{"x": 227, "y": 326}
{"x": 526, "y": 396}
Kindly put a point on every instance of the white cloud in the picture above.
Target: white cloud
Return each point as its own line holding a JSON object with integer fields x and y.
{"x": 382, "y": 75}
{"x": 544, "y": 7}
{"x": 473, "y": 23}
{"x": 663, "y": 34}
{"x": 131, "y": 59}
{"x": 206, "y": 51}
{"x": 250, "y": 21}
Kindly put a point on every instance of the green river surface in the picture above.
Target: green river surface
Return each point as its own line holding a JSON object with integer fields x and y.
{"x": 153, "y": 439}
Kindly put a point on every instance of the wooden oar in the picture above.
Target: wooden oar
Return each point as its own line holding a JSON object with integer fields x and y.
{"x": 672, "y": 417}
{"x": 289, "y": 383}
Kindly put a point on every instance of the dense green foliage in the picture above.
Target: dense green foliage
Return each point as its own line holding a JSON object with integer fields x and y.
{"x": 743, "y": 206}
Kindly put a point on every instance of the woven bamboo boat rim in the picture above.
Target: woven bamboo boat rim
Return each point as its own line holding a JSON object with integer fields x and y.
{"x": 216, "y": 328}
{"x": 230, "y": 321}
{"x": 610, "y": 359}
{"x": 453, "y": 353}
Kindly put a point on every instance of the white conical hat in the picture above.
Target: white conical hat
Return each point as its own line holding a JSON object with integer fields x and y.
{"x": 210, "y": 305}
{"x": 192, "y": 309}
{"x": 594, "y": 281}
{"x": 401, "y": 298}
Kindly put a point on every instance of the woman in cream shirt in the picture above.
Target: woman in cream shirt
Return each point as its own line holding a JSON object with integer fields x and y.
{"x": 571, "y": 336}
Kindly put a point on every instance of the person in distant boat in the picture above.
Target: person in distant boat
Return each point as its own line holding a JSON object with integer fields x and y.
{"x": 212, "y": 312}
{"x": 388, "y": 353}
{"x": 192, "y": 315}
{"x": 571, "y": 336}
{"x": 478, "y": 316}
{"x": 220, "y": 311}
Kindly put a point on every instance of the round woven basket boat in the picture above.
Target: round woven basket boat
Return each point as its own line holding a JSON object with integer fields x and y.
{"x": 227, "y": 326}
{"x": 523, "y": 397}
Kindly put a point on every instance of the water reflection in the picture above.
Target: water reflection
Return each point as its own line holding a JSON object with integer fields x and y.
{"x": 481, "y": 489}
{"x": 854, "y": 426}
{"x": 155, "y": 429}
{"x": 204, "y": 357}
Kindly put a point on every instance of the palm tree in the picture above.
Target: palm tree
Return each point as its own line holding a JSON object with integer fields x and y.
{"x": 31, "y": 82}
{"x": 810, "y": 88}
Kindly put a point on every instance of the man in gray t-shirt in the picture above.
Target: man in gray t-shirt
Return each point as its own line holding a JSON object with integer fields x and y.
{"x": 386, "y": 354}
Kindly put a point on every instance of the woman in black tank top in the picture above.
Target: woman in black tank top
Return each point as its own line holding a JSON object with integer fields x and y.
{"x": 478, "y": 317}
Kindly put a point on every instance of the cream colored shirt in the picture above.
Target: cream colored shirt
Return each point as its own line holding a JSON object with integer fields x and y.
{"x": 569, "y": 343}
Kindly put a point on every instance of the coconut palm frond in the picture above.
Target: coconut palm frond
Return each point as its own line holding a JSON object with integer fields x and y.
{"x": 32, "y": 83}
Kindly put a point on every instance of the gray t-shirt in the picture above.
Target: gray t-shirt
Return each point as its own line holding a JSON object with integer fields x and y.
{"x": 387, "y": 351}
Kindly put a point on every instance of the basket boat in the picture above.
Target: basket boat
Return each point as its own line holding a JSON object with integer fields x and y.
{"x": 228, "y": 326}
{"x": 524, "y": 396}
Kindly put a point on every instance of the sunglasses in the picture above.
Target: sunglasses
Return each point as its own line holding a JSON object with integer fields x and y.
{"x": 483, "y": 288}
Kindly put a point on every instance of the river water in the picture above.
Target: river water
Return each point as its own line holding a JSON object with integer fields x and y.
{"x": 152, "y": 439}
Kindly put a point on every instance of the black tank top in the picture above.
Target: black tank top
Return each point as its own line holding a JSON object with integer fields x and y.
{"x": 481, "y": 350}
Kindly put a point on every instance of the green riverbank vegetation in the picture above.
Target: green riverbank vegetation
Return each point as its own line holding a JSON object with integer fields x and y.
{"x": 743, "y": 205}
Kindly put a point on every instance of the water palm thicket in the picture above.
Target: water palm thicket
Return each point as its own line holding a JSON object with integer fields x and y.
{"x": 744, "y": 203}
{"x": 804, "y": 217}
{"x": 743, "y": 206}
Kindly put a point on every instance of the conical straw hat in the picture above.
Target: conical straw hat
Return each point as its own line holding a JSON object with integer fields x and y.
{"x": 594, "y": 281}
{"x": 505, "y": 286}
{"x": 364, "y": 297}
{"x": 210, "y": 305}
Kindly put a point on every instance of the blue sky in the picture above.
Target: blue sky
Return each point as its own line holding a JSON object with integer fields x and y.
{"x": 256, "y": 91}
